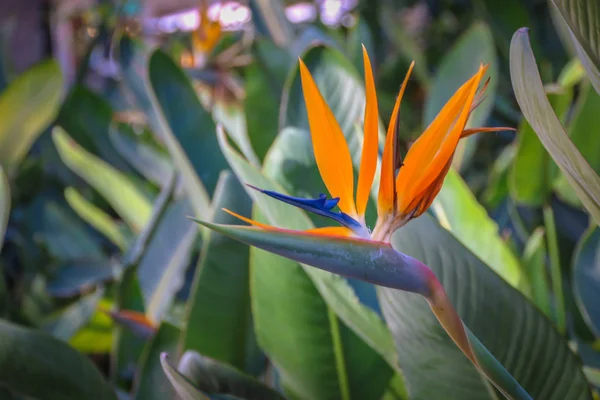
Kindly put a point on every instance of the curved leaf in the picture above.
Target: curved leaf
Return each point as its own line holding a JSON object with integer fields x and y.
{"x": 28, "y": 365}
{"x": 182, "y": 385}
{"x": 583, "y": 19}
{"x": 127, "y": 201}
{"x": 214, "y": 377}
{"x": 537, "y": 110}
{"x": 27, "y": 106}
{"x": 513, "y": 330}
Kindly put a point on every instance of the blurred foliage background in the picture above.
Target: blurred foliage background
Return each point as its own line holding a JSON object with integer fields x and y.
{"x": 108, "y": 142}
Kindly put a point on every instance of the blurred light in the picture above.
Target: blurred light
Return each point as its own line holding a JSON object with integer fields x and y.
{"x": 231, "y": 14}
{"x": 301, "y": 12}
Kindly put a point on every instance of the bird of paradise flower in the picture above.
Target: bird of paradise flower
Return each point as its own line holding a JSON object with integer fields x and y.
{"x": 407, "y": 188}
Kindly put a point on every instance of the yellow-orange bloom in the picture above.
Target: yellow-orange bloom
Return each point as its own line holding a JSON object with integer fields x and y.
{"x": 406, "y": 190}
{"x": 208, "y": 33}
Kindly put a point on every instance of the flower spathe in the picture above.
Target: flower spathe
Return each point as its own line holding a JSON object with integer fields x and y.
{"x": 407, "y": 188}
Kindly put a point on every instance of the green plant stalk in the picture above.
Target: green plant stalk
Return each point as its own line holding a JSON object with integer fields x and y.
{"x": 338, "y": 351}
{"x": 555, "y": 275}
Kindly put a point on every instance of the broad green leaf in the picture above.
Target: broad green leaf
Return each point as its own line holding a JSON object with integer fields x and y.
{"x": 278, "y": 279}
{"x": 513, "y": 330}
{"x": 217, "y": 378}
{"x": 263, "y": 94}
{"x": 460, "y": 63}
{"x": 182, "y": 385}
{"x": 37, "y": 365}
{"x": 534, "y": 264}
{"x": 192, "y": 126}
{"x": 97, "y": 218}
{"x": 145, "y": 157}
{"x": 583, "y": 20}
{"x": 162, "y": 267}
{"x": 457, "y": 210}
{"x": 27, "y": 106}
{"x": 537, "y": 110}
{"x": 66, "y": 322}
{"x": 87, "y": 117}
{"x": 341, "y": 87}
{"x": 219, "y": 322}
{"x": 586, "y": 279}
{"x": 120, "y": 192}
{"x": 72, "y": 277}
{"x": 134, "y": 61}
{"x": 152, "y": 384}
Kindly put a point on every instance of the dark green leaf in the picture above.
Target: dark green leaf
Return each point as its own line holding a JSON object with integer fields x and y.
{"x": 64, "y": 324}
{"x": 518, "y": 335}
{"x": 191, "y": 124}
{"x": 37, "y": 365}
{"x": 182, "y": 385}
{"x": 534, "y": 264}
{"x": 72, "y": 277}
{"x": 219, "y": 323}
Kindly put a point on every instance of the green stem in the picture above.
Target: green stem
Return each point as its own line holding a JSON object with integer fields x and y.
{"x": 338, "y": 351}
{"x": 555, "y": 274}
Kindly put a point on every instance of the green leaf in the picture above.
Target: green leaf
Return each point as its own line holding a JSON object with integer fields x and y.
{"x": 537, "y": 110}
{"x": 216, "y": 378}
{"x": 96, "y": 336}
{"x": 64, "y": 234}
{"x": 178, "y": 137}
{"x": 192, "y": 126}
{"x": 152, "y": 384}
{"x": 457, "y": 210}
{"x": 162, "y": 267}
{"x": 518, "y": 335}
{"x": 120, "y": 192}
{"x": 27, "y": 106}
{"x": 219, "y": 322}
{"x": 534, "y": 264}
{"x": 583, "y": 19}
{"x": 66, "y": 322}
{"x": 88, "y": 118}
{"x": 279, "y": 285}
{"x": 4, "y": 204}
{"x": 182, "y": 385}
{"x": 584, "y": 120}
{"x": 97, "y": 218}
{"x": 57, "y": 371}
{"x": 475, "y": 46}
{"x": 144, "y": 156}
{"x": 72, "y": 277}
{"x": 586, "y": 278}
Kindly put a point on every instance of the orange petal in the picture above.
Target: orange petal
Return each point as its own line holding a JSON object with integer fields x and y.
{"x": 469, "y": 132}
{"x": 368, "y": 162}
{"x": 327, "y": 231}
{"x": 385, "y": 200}
{"x": 448, "y": 146}
{"x": 443, "y": 133}
{"x": 330, "y": 147}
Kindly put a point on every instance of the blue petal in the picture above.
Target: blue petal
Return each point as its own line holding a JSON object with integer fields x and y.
{"x": 321, "y": 206}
